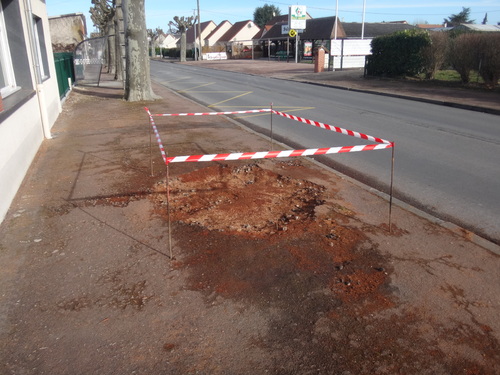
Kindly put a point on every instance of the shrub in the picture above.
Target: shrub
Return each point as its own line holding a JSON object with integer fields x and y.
{"x": 436, "y": 53}
{"x": 462, "y": 55}
{"x": 489, "y": 58}
{"x": 398, "y": 54}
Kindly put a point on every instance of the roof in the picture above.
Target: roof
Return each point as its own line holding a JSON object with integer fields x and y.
{"x": 235, "y": 29}
{"x": 485, "y": 28}
{"x": 283, "y": 19}
{"x": 316, "y": 28}
{"x": 428, "y": 26}
{"x": 190, "y": 32}
{"x": 372, "y": 30}
{"x": 277, "y": 19}
{"x": 220, "y": 26}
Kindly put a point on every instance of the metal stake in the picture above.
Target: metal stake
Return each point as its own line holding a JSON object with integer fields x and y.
{"x": 151, "y": 146}
{"x": 391, "y": 188}
{"x": 168, "y": 214}
{"x": 271, "y": 126}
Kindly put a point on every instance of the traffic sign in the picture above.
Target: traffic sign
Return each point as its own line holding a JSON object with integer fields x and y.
{"x": 292, "y": 33}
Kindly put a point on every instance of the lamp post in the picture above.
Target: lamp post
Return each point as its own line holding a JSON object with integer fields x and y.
{"x": 363, "y": 20}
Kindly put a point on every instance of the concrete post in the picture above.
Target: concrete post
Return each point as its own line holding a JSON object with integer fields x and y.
{"x": 319, "y": 61}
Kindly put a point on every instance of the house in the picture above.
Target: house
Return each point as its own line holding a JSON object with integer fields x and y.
{"x": 217, "y": 33}
{"x": 317, "y": 31}
{"x": 280, "y": 20}
{"x": 206, "y": 28}
{"x": 29, "y": 98}
{"x": 239, "y": 38}
{"x": 66, "y": 31}
{"x": 166, "y": 41}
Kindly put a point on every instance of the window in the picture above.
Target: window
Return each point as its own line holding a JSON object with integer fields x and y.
{"x": 41, "y": 51}
{"x": 15, "y": 72}
{"x": 7, "y": 77}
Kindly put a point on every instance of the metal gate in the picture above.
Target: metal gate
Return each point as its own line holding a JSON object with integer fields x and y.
{"x": 89, "y": 58}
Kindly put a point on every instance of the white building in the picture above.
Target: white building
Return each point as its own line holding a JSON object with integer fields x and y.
{"x": 30, "y": 101}
{"x": 167, "y": 41}
{"x": 217, "y": 33}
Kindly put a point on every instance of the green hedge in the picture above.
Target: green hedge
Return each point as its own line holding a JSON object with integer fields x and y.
{"x": 398, "y": 54}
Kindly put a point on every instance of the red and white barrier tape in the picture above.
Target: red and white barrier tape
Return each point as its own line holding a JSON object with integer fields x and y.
{"x": 211, "y": 113}
{"x": 382, "y": 144}
{"x": 277, "y": 154}
{"x": 157, "y": 135}
{"x": 332, "y": 128}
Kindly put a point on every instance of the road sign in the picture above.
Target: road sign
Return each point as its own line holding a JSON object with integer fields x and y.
{"x": 285, "y": 30}
{"x": 297, "y": 16}
{"x": 292, "y": 33}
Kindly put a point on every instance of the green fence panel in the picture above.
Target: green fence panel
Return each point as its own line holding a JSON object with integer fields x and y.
{"x": 64, "y": 70}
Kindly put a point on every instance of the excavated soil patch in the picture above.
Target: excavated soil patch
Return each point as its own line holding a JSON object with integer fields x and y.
{"x": 260, "y": 232}
{"x": 246, "y": 199}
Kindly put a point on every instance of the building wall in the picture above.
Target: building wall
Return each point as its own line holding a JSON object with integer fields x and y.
{"x": 247, "y": 33}
{"x": 204, "y": 33}
{"x": 169, "y": 42}
{"x": 33, "y": 108}
{"x": 67, "y": 31}
{"x": 214, "y": 38}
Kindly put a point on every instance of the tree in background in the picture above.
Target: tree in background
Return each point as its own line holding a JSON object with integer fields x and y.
{"x": 137, "y": 77}
{"x": 153, "y": 36}
{"x": 102, "y": 14}
{"x": 457, "y": 19}
{"x": 263, "y": 14}
{"x": 182, "y": 24}
{"x": 485, "y": 19}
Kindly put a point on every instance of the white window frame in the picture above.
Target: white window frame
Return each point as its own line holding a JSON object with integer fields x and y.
{"x": 7, "y": 67}
{"x": 38, "y": 49}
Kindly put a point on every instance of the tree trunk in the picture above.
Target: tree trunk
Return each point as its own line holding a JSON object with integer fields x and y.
{"x": 119, "y": 41}
{"x": 183, "y": 45}
{"x": 137, "y": 80}
{"x": 111, "y": 48}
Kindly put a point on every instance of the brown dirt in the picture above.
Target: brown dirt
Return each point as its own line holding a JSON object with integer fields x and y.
{"x": 280, "y": 267}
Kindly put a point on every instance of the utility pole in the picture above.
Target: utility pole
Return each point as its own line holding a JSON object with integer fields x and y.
{"x": 336, "y": 17}
{"x": 194, "y": 43}
{"x": 199, "y": 27}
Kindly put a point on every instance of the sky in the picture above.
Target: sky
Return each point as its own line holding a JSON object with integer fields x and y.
{"x": 160, "y": 12}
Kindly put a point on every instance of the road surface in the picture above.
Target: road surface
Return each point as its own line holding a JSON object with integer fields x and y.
{"x": 447, "y": 160}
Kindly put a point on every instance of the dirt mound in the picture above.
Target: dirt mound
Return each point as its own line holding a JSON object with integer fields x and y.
{"x": 246, "y": 198}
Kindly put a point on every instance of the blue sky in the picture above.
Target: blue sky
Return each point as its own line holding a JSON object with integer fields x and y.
{"x": 160, "y": 12}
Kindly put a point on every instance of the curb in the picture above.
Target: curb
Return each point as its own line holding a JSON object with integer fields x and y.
{"x": 454, "y": 228}
{"x": 491, "y": 111}
{"x": 467, "y": 107}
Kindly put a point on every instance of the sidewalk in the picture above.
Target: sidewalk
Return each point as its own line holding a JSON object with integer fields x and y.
{"x": 280, "y": 266}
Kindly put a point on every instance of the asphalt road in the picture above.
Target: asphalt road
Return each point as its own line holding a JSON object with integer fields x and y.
{"x": 447, "y": 160}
